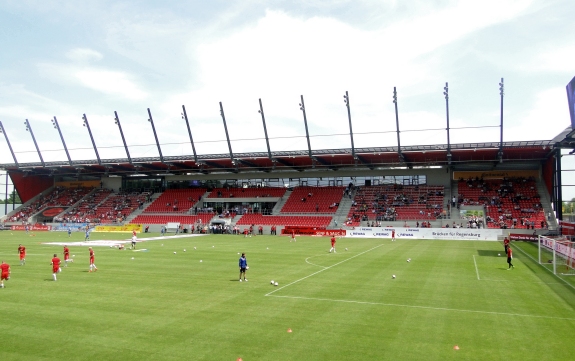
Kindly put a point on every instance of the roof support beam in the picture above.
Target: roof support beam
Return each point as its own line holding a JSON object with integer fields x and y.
{"x": 501, "y": 93}
{"x": 363, "y": 161}
{"x": 29, "y": 129}
{"x": 185, "y": 116}
{"x": 151, "y": 120}
{"x": 261, "y": 111}
{"x": 446, "y": 93}
{"x": 286, "y": 163}
{"x": 399, "y": 153}
{"x": 57, "y": 126}
{"x": 117, "y": 122}
{"x": 87, "y": 125}
{"x": 2, "y": 130}
{"x": 302, "y": 108}
{"x": 346, "y": 100}
{"x": 227, "y": 134}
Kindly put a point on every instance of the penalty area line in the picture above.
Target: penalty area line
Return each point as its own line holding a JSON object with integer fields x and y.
{"x": 426, "y": 307}
{"x": 326, "y": 268}
{"x": 313, "y": 264}
{"x": 476, "y": 269}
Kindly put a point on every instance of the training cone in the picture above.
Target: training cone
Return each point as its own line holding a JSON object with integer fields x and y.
{"x": 456, "y": 347}
{"x": 289, "y": 330}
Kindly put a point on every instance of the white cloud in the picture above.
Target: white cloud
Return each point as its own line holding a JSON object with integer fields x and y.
{"x": 110, "y": 82}
{"x": 552, "y": 59}
{"x": 83, "y": 55}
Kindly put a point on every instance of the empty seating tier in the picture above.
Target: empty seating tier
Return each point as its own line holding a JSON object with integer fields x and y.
{"x": 305, "y": 221}
{"x": 176, "y": 200}
{"x": 176, "y": 218}
{"x": 313, "y": 200}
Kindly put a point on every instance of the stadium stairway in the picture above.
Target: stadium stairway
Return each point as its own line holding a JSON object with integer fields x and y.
{"x": 279, "y": 205}
{"x": 546, "y": 203}
{"x": 340, "y": 215}
{"x": 62, "y": 214}
{"x": 138, "y": 211}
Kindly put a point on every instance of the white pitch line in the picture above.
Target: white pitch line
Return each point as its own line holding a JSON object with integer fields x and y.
{"x": 476, "y": 269}
{"x": 333, "y": 265}
{"x": 313, "y": 264}
{"x": 533, "y": 259}
{"x": 428, "y": 307}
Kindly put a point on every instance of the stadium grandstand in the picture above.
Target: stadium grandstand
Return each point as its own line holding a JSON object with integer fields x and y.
{"x": 510, "y": 185}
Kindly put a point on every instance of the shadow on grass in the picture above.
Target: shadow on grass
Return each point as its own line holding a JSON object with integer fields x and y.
{"x": 489, "y": 253}
{"x": 528, "y": 252}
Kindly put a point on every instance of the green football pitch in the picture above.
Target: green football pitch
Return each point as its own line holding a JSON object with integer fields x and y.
{"x": 455, "y": 300}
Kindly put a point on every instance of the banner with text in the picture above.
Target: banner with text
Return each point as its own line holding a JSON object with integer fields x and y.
{"x": 31, "y": 228}
{"x": 426, "y": 233}
{"x": 75, "y": 227}
{"x": 523, "y": 237}
{"x": 563, "y": 249}
{"x": 121, "y": 229}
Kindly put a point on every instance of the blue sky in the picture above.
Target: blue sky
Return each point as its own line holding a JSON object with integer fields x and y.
{"x": 66, "y": 58}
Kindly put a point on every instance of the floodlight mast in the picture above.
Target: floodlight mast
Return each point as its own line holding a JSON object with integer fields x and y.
{"x": 501, "y": 93}
{"x": 151, "y": 120}
{"x": 57, "y": 126}
{"x": 227, "y": 134}
{"x": 29, "y": 129}
{"x": 302, "y": 108}
{"x": 397, "y": 123}
{"x": 185, "y": 116}
{"x": 87, "y": 125}
{"x": 2, "y": 130}
{"x": 446, "y": 93}
{"x": 117, "y": 122}
{"x": 346, "y": 100}
{"x": 261, "y": 111}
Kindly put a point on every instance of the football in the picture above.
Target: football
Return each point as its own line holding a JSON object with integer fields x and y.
{"x": 409, "y": 260}
{"x": 184, "y": 250}
{"x": 346, "y": 249}
{"x": 272, "y": 282}
{"x": 174, "y": 252}
{"x": 393, "y": 276}
{"x": 275, "y": 284}
{"x": 247, "y": 267}
{"x": 499, "y": 254}
{"x": 200, "y": 261}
